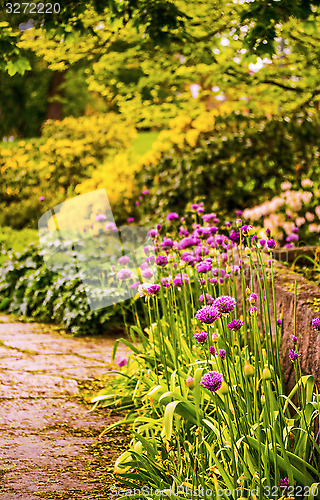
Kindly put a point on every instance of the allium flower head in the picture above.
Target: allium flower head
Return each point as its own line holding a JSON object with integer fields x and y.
{"x": 147, "y": 273}
{"x": 293, "y": 355}
{"x": 252, "y": 298}
{"x": 284, "y": 481}
{"x": 131, "y": 219}
{"x": 212, "y": 381}
{"x": 235, "y": 324}
{"x": 110, "y": 226}
{"x": 41, "y": 198}
{"x": 271, "y": 244}
{"x": 179, "y": 280}
{"x": 225, "y": 304}
{"x": 209, "y": 299}
{"x": 122, "y": 361}
{"x": 279, "y": 322}
{"x": 148, "y": 289}
{"x": 316, "y": 324}
{"x": 201, "y": 337}
{"x": 222, "y": 353}
{"x": 167, "y": 243}
{"x": 203, "y": 267}
{"x": 124, "y": 260}
{"x": 212, "y": 350}
{"x": 294, "y": 339}
{"x": 208, "y": 314}
{"x": 124, "y": 274}
{"x": 161, "y": 260}
{"x": 172, "y": 216}
{"x": 100, "y": 217}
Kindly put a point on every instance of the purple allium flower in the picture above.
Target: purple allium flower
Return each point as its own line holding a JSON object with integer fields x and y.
{"x": 208, "y": 314}
{"x": 201, "y": 337}
{"x": 213, "y": 230}
{"x": 189, "y": 241}
{"x": 201, "y": 250}
{"x": 262, "y": 243}
{"x": 292, "y": 237}
{"x": 124, "y": 260}
{"x": 179, "y": 281}
{"x": 200, "y": 210}
{"x": 135, "y": 285}
{"x": 271, "y": 243}
{"x": 235, "y": 324}
{"x": 161, "y": 260}
{"x": 137, "y": 203}
{"x": 239, "y": 213}
{"x": 245, "y": 229}
{"x": 293, "y": 355}
{"x": 212, "y": 350}
{"x": 153, "y": 233}
{"x": 100, "y": 217}
{"x": 222, "y": 353}
{"x": 228, "y": 225}
{"x": 110, "y": 226}
{"x": 167, "y": 243}
{"x": 234, "y": 236}
{"x": 252, "y": 298}
{"x": 147, "y": 273}
{"x": 41, "y": 198}
{"x": 208, "y": 217}
{"x": 210, "y": 299}
{"x": 316, "y": 324}
{"x": 279, "y": 322}
{"x": 172, "y": 216}
{"x": 146, "y": 191}
{"x": 153, "y": 289}
{"x": 295, "y": 230}
{"x": 225, "y": 304}
{"x": 122, "y": 361}
{"x": 284, "y": 482}
{"x": 268, "y": 232}
{"x": 212, "y": 381}
{"x": 124, "y": 274}
{"x": 294, "y": 339}
{"x": 131, "y": 219}
{"x": 203, "y": 267}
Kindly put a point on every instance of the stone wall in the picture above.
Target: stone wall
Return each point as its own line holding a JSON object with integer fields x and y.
{"x": 308, "y": 307}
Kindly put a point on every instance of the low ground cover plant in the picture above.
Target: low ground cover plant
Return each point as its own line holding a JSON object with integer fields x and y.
{"x": 203, "y": 387}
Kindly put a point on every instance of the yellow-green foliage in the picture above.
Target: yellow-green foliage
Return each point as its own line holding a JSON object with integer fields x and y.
{"x": 67, "y": 153}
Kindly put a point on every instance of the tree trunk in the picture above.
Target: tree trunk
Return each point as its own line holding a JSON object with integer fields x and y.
{"x": 55, "y": 93}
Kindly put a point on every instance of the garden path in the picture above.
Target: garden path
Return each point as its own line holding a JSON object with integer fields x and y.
{"x": 49, "y": 442}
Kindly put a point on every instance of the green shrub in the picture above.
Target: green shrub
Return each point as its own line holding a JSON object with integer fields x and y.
{"x": 231, "y": 161}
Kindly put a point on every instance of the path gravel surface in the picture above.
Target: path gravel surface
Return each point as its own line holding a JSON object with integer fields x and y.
{"x": 50, "y": 444}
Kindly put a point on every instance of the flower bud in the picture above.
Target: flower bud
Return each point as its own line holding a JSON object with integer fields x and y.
{"x": 190, "y": 382}
{"x": 224, "y": 389}
{"x": 266, "y": 374}
{"x": 263, "y": 399}
{"x": 248, "y": 291}
{"x": 228, "y": 269}
{"x": 248, "y": 370}
{"x": 247, "y": 251}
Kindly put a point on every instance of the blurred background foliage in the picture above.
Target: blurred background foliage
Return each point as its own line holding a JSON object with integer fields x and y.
{"x": 214, "y": 101}
{"x": 244, "y": 75}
